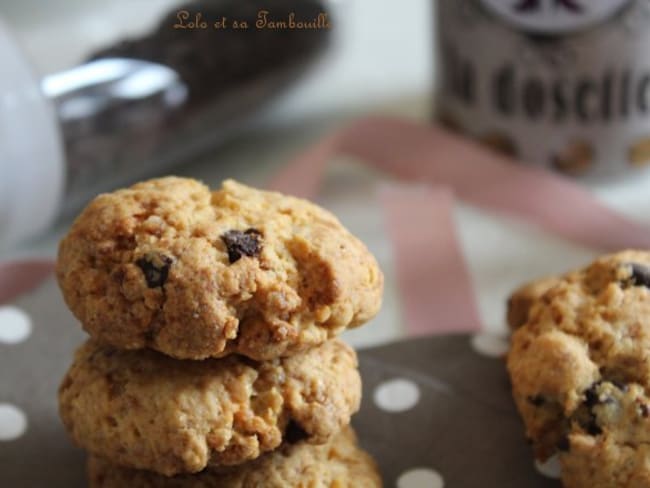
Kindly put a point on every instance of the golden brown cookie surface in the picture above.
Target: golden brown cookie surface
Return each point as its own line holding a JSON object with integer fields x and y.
{"x": 149, "y": 411}
{"x": 580, "y": 368}
{"x": 521, "y": 300}
{"x": 339, "y": 463}
{"x": 168, "y": 265}
{"x": 603, "y": 463}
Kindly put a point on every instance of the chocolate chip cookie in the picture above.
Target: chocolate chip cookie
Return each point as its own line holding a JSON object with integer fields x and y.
{"x": 339, "y": 463}
{"x": 580, "y": 372}
{"x": 145, "y": 410}
{"x": 168, "y": 265}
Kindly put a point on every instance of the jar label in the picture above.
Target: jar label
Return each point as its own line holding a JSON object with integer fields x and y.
{"x": 578, "y": 100}
{"x": 554, "y": 16}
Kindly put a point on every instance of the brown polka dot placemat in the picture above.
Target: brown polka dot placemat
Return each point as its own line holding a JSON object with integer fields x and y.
{"x": 436, "y": 413}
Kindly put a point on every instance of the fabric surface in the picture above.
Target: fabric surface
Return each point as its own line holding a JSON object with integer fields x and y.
{"x": 434, "y": 408}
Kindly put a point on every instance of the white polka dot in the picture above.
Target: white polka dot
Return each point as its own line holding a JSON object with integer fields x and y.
{"x": 489, "y": 344}
{"x": 15, "y": 325}
{"x": 551, "y": 468}
{"x": 13, "y": 422}
{"x": 397, "y": 395}
{"x": 420, "y": 478}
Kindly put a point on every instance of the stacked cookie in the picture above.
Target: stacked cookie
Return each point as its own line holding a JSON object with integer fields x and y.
{"x": 580, "y": 370}
{"x": 213, "y": 358}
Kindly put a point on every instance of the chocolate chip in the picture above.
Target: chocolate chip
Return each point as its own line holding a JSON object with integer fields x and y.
{"x": 592, "y": 398}
{"x": 564, "y": 444}
{"x": 155, "y": 269}
{"x": 591, "y": 395}
{"x": 640, "y": 275}
{"x": 295, "y": 433}
{"x": 619, "y": 385}
{"x": 537, "y": 400}
{"x": 644, "y": 410}
{"x": 240, "y": 243}
{"x": 592, "y": 427}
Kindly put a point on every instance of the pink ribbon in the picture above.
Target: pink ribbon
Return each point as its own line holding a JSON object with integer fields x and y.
{"x": 18, "y": 277}
{"x": 435, "y": 288}
{"x": 435, "y": 285}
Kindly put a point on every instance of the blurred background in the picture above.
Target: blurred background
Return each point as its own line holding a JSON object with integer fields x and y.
{"x": 207, "y": 102}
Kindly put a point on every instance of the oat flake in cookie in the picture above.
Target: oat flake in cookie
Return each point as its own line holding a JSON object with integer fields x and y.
{"x": 148, "y": 411}
{"x": 580, "y": 372}
{"x": 168, "y": 265}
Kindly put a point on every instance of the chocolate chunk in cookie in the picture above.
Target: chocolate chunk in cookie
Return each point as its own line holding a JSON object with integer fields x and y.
{"x": 295, "y": 433}
{"x": 640, "y": 275}
{"x": 592, "y": 397}
{"x": 155, "y": 268}
{"x": 246, "y": 243}
{"x": 536, "y": 400}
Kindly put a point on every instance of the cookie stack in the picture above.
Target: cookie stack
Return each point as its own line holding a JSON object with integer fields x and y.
{"x": 213, "y": 358}
{"x": 580, "y": 370}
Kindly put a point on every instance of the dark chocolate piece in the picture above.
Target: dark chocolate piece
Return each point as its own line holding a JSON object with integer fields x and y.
{"x": 295, "y": 433}
{"x": 155, "y": 269}
{"x": 640, "y": 275}
{"x": 592, "y": 427}
{"x": 537, "y": 400}
{"x": 240, "y": 243}
{"x": 591, "y": 395}
{"x": 644, "y": 410}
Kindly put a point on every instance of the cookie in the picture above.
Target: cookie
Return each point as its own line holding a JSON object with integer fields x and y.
{"x": 580, "y": 367}
{"x": 170, "y": 266}
{"x": 339, "y": 463}
{"x": 522, "y": 299}
{"x": 145, "y": 410}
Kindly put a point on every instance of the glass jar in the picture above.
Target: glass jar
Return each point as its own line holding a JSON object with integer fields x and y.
{"x": 563, "y": 84}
